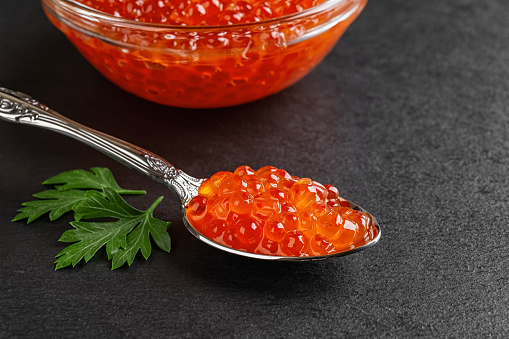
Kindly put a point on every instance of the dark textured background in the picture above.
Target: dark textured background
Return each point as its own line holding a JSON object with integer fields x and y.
{"x": 407, "y": 117}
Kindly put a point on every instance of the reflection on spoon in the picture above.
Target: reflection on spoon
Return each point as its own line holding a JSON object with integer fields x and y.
{"x": 21, "y": 108}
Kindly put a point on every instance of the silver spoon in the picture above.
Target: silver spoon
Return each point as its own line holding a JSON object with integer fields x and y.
{"x": 20, "y": 108}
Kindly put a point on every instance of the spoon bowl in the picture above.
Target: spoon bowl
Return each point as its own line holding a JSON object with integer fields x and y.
{"x": 20, "y": 108}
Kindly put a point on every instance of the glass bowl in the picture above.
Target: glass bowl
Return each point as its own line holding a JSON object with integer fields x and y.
{"x": 204, "y": 66}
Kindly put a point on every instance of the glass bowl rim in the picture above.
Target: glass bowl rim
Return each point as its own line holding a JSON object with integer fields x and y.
{"x": 82, "y": 10}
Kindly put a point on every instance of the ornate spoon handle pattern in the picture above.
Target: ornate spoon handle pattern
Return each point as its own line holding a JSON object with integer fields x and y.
{"x": 20, "y": 108}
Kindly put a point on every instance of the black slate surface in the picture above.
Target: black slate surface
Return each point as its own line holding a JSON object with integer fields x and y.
{"x": 407, "y": 117}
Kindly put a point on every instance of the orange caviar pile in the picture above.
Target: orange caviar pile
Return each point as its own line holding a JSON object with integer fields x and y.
{"x": 200, "y": 12}
{"x": 179, "y": 64}
{"x": 271, "y": 212}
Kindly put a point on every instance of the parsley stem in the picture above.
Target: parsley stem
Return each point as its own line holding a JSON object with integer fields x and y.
{"x": 154, "y": 205}
{"x": 131, "y": 191}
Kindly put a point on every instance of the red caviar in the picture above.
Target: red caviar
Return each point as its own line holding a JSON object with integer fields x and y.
{"x": 271, "y": 212}
{"x": 203, "y": 53}
{"x": 200, "y": 12}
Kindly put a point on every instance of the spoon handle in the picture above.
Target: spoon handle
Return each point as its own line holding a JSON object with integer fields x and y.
{"x": 20, "y": 108}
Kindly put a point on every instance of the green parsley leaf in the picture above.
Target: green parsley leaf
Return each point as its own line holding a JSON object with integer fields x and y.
{"x": 57, "y": 203}
{"x": 95, "y": 195}
{"x": 97, "y": 178}
{"x": 60, "y": 200}
{"x": 123, "y": 237}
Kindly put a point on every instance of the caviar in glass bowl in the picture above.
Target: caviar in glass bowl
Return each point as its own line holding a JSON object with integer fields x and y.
{"x": 271, "y": 212}
{"x": 203, "y": 53}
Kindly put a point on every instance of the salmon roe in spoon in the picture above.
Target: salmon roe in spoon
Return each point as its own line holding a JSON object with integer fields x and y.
{"x": 272, "y": 212}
